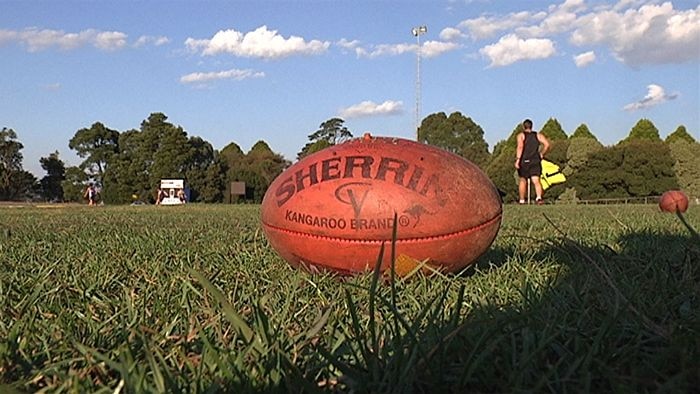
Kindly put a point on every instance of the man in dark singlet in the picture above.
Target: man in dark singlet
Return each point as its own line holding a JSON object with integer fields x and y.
{"x": 528, "y": 160}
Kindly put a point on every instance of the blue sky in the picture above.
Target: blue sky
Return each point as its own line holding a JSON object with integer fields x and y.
{"x": 242, "y": 71}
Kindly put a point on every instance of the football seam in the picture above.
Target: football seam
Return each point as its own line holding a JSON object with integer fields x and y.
{"x": 378, "y": 241}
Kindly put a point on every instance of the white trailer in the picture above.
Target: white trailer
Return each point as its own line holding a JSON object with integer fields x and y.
{"x": 172, "y": 192}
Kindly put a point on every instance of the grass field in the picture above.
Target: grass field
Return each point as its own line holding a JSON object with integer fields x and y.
{"x": 193, "y": 299}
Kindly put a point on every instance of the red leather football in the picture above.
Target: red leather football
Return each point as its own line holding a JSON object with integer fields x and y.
{"x": 334, "y": 209}
{"x": 673, "y": 200}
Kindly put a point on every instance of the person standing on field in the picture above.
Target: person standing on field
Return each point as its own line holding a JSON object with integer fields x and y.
{"x": 91, "y": 194}
{"x": 528, "y": 160}
{"x": 160, "y": 195}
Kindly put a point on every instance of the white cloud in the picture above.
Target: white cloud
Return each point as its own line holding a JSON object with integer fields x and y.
{"x": 559, "y": 20}
{"x": 437, "y": 48}
{"x": 655, "y": 96}
{"x": 152, "y": 40}
{"x": 428, "y": 49}
{"x": 236, "y": 74}
{"x": 349, "y": 46}
{"x": 450, "y": 34}
{"x": 370, "y": 108}
{"x": 109, "y": 40}
{"x": 636, "y": 32}
{"x": 651, "y": 34}
{"x": 386, "y": 50}
{"x": 573, "y": 5}
{"x": 361, "y": 52}
{"x": 259, "y": 43}
{"x": 344, "y": 43}
{"x": 625, "y": 4}
{"x": 584, "y": 59}
{"x": 7, "y": 36}
{"x": 485, "y": 27}
{"x": 511, "y": 48}
{"x": 36, "y": 40}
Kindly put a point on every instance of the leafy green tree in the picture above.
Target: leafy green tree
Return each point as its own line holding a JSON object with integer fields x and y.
{"x": 498, "y": 149}
{"x": 649, "y": 169}
{"x": 552, "y": 130}
{"x": 74, "y": 184}
{"x": 204, "y": 172}
{"x": 502, "y": 173}
{"x": 509, "y": 143}
{"x": 500, "y": 168}
{"x": 604, "y": 177}
{"x": 686, "y": 156}
{"x": 97, "y": 145}
{"x": 213, "y": 183}
{"x": 681, "y": 134}
{"x": 23, "y": 186}
{"x": 51, "y": 184}
{"x": 457, "y": 134}
{"x": 331, "y": 132}
{"x": 160, "y": 150}
{"x": 557, "y": 154}
{"x": 259, "y": 168}
{"x": 634, "y": 169}
{"x": 200, "y": 154}
{"x": 313, "y": 147}
{"x": 582, "y": 131}
{"x": 255, "y": 184}
{"x": 15, "y": 182}
{"x": 643, "y": 130}
{"x": 232, "y": 162}
{"x": 578, "y": 152}
{"x": 127, "y": 174}
{"x": 268, "y": 163}
{"x": 170, "y": 149}
{"x": 581, "y": 144}
{"x": 232, "y": 153}
{"x": 10, "y": 161}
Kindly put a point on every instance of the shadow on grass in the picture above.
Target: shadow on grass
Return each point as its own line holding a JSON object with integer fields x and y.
{"x": 619, "y": 319}
{"x": 591, "y": 318}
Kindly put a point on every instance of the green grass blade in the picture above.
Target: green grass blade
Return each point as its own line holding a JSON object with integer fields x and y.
{"x": 234, "y": 318}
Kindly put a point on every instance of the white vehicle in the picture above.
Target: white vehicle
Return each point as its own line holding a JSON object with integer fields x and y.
{"x": 172, "y": 192}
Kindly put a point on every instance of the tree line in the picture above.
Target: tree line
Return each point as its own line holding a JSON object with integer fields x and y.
{"x": 640, "y": 165}
{"x": 129, "y": 165}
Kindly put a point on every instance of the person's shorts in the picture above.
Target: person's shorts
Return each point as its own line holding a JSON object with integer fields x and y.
{"x": 528, "y": 169}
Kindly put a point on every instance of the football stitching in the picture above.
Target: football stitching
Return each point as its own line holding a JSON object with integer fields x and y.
{"x": 377, "y": 241}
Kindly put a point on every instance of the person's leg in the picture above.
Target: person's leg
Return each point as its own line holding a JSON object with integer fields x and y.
{"x": 522, "y": 189}
{"x": 538, "y": 187}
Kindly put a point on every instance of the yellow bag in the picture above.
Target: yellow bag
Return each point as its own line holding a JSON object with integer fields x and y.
{"x": 551, "y": 175}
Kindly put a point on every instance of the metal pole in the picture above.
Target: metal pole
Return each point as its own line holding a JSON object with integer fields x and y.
{"x": 528, "y": 191}
{"x": 417, "y": 85}
{"x": 417, "y": 32}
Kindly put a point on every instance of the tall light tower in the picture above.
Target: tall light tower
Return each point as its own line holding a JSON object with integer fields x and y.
{"x": 417, "y": 32}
